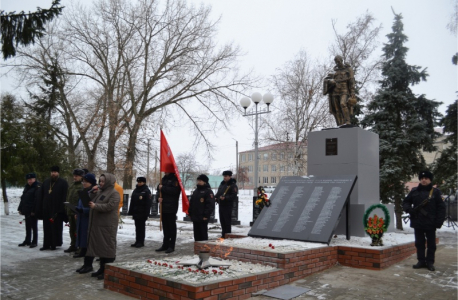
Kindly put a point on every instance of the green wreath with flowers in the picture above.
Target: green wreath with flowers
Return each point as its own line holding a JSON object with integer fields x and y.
{"x": 376, "y": 226}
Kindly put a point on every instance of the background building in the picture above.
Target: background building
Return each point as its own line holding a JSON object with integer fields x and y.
{"x": 275, "y": 161}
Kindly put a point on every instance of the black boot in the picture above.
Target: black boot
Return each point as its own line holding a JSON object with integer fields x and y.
{"x": 86, "y": 269}
{"x": 134, "y": 244}
{"x": 431, "y": 267}
{"x": 139, "y": 245}
{"x": 161, "y": 249}
{"x": 24, "y": 244}
{"x": 419, "y": 265}
{"x": 71, "y": 249}
{"x": 170, "y": 250}
{"x": 82, "y": 253}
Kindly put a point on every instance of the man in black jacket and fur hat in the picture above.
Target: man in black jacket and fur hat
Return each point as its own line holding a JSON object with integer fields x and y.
{"x": 201, "y": 206}
{"x": 225, "y": 197}
{"x": 168, "y": 194}
{"x": 53, "y": 195}
{"x": 27, "y": 207}
{"x": 427, "y": 212}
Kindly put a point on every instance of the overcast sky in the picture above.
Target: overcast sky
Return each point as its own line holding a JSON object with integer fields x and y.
{"x": 271, "y": 32}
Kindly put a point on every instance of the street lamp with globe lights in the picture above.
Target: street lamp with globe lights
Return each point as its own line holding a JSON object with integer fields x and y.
{"x": 245, "y": 102}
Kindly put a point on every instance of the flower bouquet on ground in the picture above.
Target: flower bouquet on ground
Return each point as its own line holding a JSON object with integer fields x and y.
{"x": 262, "y": 200}
{"x": 375, "y": 228}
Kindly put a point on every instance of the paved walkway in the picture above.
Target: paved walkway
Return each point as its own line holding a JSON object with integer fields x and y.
{"x": 32, "y": 274}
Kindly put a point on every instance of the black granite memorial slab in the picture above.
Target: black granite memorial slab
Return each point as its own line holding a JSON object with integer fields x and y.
{"x": 305, "y": 208}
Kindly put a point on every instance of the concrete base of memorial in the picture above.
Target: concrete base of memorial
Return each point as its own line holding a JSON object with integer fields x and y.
{"x": 289, "y": 267}
{"x": 348, "y": 151}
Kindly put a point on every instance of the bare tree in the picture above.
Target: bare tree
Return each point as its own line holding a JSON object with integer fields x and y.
{"x": 174, "y": 62}
{"x": 301, "y": 108}
{"x": 188, "y": 167}
{"x": 356, "y": 46}
{"x": 242, "y": 174}
{"x": 97, "y": 38}
{"x": 73, "y": 117}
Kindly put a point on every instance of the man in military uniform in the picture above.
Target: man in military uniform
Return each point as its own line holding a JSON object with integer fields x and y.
{"x": 201, "y": 206}
{"x": 27, "y": 208}
{"x": 225, "y": 197}
{"x": 427, "y": 212}
{"x": 340, "y": 86}
{"x": 53, "y": 195}
{"x": 168, "y": 194}
{"x": 72, "y": 198}
{"x": 140, "y": 204}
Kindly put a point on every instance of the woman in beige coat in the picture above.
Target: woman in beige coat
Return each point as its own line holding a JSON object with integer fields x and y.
{"x": 103, "y": 223}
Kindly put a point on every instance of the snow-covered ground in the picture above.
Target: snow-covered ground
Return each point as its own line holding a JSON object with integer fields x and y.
{"x": 185, "y": 234}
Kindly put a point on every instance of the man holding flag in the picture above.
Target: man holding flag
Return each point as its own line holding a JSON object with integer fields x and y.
{"x": 168, "y": 193}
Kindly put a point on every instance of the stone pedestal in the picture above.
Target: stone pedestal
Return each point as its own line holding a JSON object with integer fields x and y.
{"x": 349, "y": 151}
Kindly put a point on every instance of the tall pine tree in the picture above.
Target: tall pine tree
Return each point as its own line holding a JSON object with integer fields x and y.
{"x": 404, "y": 121}
{"x": 445, "y": 167}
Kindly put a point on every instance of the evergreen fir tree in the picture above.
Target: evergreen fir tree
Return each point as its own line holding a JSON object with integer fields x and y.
{"x": 404, "y": 121}
{"x": 23, "y": 29}
{"x": 445, "y": 168}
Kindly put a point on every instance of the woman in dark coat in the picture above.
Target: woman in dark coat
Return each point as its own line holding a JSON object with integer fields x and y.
{"x": 82, "y": 218}
{"x": 103, "y": 224}
{"x": 201, "y": 206}
{"x": 27, "y": 209}
{"x": 139, "y": 209}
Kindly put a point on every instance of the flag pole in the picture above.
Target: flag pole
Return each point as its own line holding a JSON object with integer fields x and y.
{"x": 160, "y": 192}
{"x": 160, "y": 204}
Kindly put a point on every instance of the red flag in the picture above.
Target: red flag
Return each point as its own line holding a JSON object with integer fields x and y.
{"x": 168, "y": 165}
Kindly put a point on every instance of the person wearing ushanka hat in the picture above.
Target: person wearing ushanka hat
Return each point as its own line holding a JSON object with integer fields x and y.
{"x": 168, "y": 195}
{"x": 72, "y": 198}
{"x": 201, "y": 206}
{"x": 140, "y": 204}
{"x": 27, "y": 208}
{"x": 53, "y": 195}
{"x": 225, "y": 197}
{"x": 427, "y": 213}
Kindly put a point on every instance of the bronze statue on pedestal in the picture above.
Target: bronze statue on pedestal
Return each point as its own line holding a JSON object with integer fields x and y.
{"x": 340, "y": 88}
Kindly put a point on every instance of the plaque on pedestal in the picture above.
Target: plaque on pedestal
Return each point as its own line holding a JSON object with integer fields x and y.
{"x": 125, "y": 205}
{"x": 235, "y": 212}
{"x": 305, "y": 208}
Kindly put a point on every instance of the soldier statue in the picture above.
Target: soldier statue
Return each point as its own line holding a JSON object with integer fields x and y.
{"x": 340, "y": 88}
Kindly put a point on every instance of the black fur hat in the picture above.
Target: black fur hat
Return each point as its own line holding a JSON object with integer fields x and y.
{"x": 55, "y": 169}
{"x": 426, "y": 174}
{"x": 78, "y": 172}
{"x": 30, "y": 175}
{"x": 141, "y": 179}
{"x": 203, "y": 177}
{"x": 227, "y": 173}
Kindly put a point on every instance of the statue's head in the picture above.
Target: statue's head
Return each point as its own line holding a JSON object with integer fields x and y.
{"x": 338, "y": 60}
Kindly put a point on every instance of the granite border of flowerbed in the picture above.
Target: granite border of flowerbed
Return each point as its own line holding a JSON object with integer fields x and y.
{"x": 289, "y": 266}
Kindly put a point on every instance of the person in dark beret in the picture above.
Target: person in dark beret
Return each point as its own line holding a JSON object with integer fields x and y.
{"x": 427, "y": 213}
{"x": 139, "y": 209}
{"x": 53, "y": 195}
{"x": 27, "y": 207}
{"x": 225, "y": 197}
{"x": 201, "y": 206}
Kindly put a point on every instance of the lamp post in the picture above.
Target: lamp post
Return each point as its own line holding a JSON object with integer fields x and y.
{"x": 245, "y": 102}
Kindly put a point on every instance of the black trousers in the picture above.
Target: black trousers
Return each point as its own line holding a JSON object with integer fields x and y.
{"x": 225, "y": 218}
{"x": 140, "y": 228}
{"x": 200, "y": 231}
{"x": 430, "y": 235}
{"x": 31, "y": 230}
{"x": 52, "y": 232}
{"x": 169, "y": 225}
